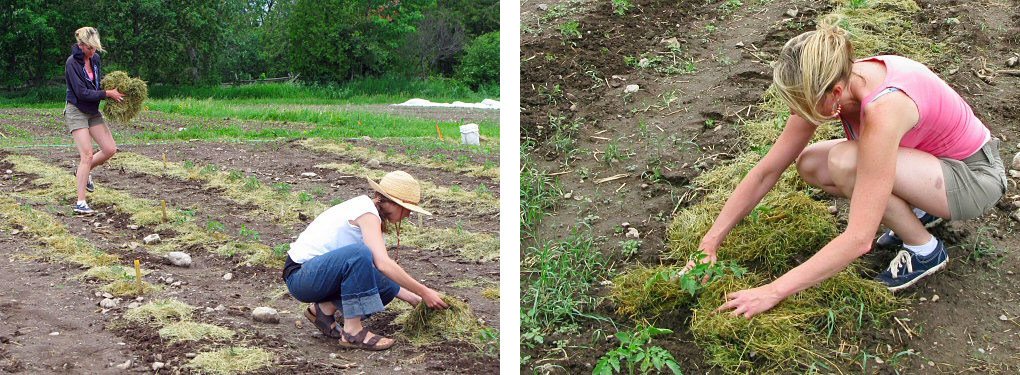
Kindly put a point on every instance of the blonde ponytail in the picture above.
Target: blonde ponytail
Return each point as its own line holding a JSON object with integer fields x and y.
{"x": 810, "y": 64}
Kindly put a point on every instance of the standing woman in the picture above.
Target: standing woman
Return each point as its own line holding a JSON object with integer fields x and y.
{"x": 913, "y": 150}
{"x": 339, "y": 263}
{"x": 83, "y": 73}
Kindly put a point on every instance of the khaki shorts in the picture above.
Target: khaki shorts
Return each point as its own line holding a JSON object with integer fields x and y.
{"x": 76, "y": 119}
{"x": 974, "y": 184}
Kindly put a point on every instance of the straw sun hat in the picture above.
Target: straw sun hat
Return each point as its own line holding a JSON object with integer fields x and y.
{"x": 402, "y": 189}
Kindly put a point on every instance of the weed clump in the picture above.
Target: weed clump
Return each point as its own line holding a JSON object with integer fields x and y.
{"x": 192, "y": 331}
{"x": 231, "y": 360}
{"x": 135, "y": 92}
{"x": 423, "y": 325}
{"x": 782, "y": 227}
{"x": 129, "y": 288}
{"x": 110, "y": 273}
{"x": 160, "y": 313}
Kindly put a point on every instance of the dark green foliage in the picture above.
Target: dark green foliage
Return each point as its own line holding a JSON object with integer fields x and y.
{"x": 481, "y": 61}
{"x": 637, "y": 356}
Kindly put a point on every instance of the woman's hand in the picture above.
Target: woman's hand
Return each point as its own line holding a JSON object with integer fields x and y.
{"x": 115, "y": 95}
{"x": 750, "y": 302}
{"x": 433, "y": 300}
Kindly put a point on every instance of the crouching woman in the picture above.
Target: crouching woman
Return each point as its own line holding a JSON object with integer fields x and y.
{"x": 339, "y": 263}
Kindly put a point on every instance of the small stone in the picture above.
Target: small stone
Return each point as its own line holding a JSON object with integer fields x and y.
{"x": 923, "y": 299}
{"x": 108, "y": 303}
{"x": 625, "y": 224}
{"x": 265, "y": 315}
{"x": 833, "y": 210}
{"x": 630, "y": 89}
{"x": 125, "y": 365}
{"x": 190, "y": 355}
{"x": 157, "y": 365}
{"x": 107, "y": 295}
{"x": 1013, "y": 61}
{"x": 54, "y": 333}
{"x": 1003, "y": 318}
{"x": 568, "y": 195}
{"x": 606, "y": 283}
{"x": 366, "y": 138}
{"x": 792, "y": 12}
{"x": 210, "y": 310}
{"x": 8, "y": 171}
{"x": 739, "y": 45}
{"x": 133, "y": 227}
{"x": 140, "y": 299}
{"x": 133, "y": 245}
{"x": 308, "y": 174}
{"x": 373, "y": 163}
{"x": 931, "y": 363}
{"x": 398, "y": 368}
{"x": 671, "y": 42}
{"x": 134, "y": 305}
{"x": 228, "y": 276}
{"x": 543, "y": 7}
{"x": 1014, "y": 173}
{"x": 220, "y": 308}
{"x": 981, "y": 350}
{"x": 1016, "y": 161}
{"x": 879, "y": 360}
{"x": 952, "y": 21}
{"x": 169, "y": 280}
{"x": 633, "y": 233}
{"x": 151, "y": 239}
{"x": 644, "y": 186}
{"x": 179, "y": 259}
{"x": 935, "y": 298}
{"x": 176, "y": 284}
{"x": 332, "y": 355}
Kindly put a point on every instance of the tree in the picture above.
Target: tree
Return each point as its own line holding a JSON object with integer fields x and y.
{"x": 480, "y": 65}
{"x": 436, "y": 44}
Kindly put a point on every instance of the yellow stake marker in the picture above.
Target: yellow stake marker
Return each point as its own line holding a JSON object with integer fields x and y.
{"x": 438, "y": 131}
{"x": 165, "y": 219}
{"x": 138, "y": 275}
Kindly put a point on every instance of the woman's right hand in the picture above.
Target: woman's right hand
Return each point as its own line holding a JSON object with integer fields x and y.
{"x": 707, "y": 247}
{"x": 115, "y": 95}
{"x": 433, "y": 300}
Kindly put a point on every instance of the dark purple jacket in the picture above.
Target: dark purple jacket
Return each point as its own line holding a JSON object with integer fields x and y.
{"x": 81, "y": 92}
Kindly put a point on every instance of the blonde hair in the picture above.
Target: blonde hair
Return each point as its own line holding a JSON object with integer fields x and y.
{"x": 810, "y": 64}
{"x": 89, "y": 36}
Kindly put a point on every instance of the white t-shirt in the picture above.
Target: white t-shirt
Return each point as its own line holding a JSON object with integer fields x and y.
{"x": 332, "y": 229}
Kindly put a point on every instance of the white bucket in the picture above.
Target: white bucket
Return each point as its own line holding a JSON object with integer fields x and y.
{"x": 469, "y": 134}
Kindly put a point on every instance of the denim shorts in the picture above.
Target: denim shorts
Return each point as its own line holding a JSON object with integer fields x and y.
{"x": 347, "y": 277}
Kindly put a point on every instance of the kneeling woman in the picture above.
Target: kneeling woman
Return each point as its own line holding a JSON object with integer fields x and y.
{"x": 340, "y": 263}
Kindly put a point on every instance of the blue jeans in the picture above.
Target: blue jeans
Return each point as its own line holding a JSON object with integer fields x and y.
{"x": 347, "y": 277}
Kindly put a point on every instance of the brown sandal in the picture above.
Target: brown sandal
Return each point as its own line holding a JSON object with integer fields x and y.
{"x": 358, "y": 341}
{"x": 325, "y": 323}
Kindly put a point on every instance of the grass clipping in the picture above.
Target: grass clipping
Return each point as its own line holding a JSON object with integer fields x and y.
{"x": 787, "y": 334}
{"x": 423, "y": 325}
{"x": 135, "y": 93}
{"x": 636, "y": 295}
{"x": 231, "y": 360}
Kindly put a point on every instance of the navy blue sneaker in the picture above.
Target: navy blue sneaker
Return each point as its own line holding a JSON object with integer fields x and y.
{"x": 889, "y": 240}
{"x": 89, "y": 186}
{"x": 83, "y": 209}
{"x": 907, "y": 268}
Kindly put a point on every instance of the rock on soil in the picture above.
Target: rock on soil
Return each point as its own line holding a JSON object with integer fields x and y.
{"x": 373, "y": 163}
{"x": 151, "y": 239}
{"x": 228, "y": 276}
{"x": 1016, "y": 161}
{"x": 630, "y": 89}
{"x": 265, "y": 315}
{"x": 179, "y": 259}
{"x": 108, "y": 303}
{"x": 1013, "y": 61}
{"x": 308, "y": 174}
{"x": 157, "y": 365}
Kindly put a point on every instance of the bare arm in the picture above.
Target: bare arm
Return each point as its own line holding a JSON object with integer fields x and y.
{"x": 759, "y": 181}
{"x": 888, "y": 120}
{"x": 371, "y": 233}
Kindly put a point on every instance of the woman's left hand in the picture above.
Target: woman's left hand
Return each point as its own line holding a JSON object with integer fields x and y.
{"x": 750, "y": 302}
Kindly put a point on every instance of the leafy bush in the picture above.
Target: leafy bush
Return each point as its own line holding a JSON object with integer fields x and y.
{"x": 480, "y": 65}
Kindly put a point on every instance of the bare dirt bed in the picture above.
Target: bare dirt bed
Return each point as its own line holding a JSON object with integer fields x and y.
{"x": 70, "y": 306}
{"x": 678, "y": 125}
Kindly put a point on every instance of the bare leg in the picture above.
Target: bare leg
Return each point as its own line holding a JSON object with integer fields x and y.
{"x": 107, "y": 146}
{"x": 832, "y": 167}
{"x": 83, "y": 141}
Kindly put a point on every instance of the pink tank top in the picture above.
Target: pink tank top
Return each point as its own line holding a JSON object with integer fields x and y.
{"x": 946, "y": 127}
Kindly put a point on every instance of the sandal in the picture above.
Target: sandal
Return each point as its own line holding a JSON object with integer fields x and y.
{"x": 358, "y": 341}
{"x": 325, "y": 323}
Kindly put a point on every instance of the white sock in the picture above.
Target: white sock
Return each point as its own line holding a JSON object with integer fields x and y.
{"x": 80, "y": 203}
{"x": 923, "y": 250}
{"x": 919, "y": 212}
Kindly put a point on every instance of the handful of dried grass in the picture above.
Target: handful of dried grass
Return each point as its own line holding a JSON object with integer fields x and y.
{"x": 135, "y": 92}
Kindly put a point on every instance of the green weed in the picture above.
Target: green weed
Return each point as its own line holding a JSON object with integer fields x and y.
{"x": 637, "y": 355}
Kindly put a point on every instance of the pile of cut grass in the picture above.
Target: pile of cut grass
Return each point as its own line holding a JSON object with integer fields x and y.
{"x": 485, "y": 203}
{"x": 787, "y": 334}
{"x": 231, "y": 360}
{"x": 160, "y": 312}
{"x": 59, "y": 244}
{"x": 638, "y": 295}
{"x": 472, "y": 246}
{"x": 192, "y": 331}
{"x": 362, "y": 153}
{"x": 135, "y": 93}
{"x": 423, "y": 325}
{"x": 782, "y": 228}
